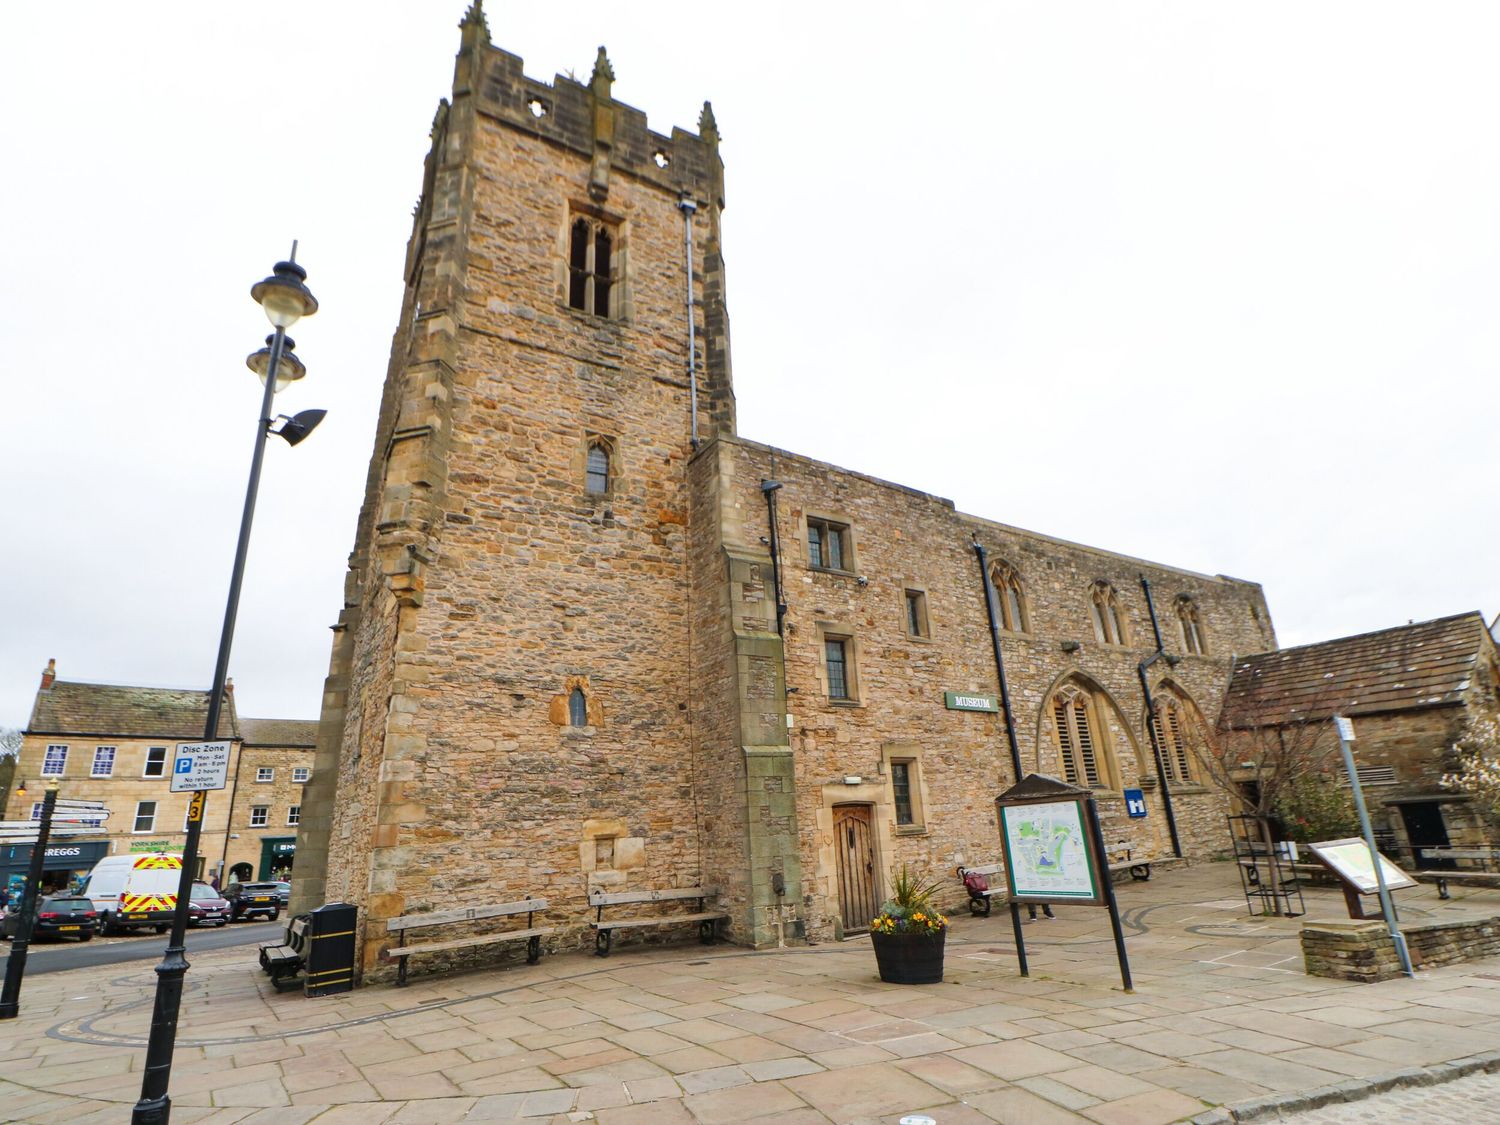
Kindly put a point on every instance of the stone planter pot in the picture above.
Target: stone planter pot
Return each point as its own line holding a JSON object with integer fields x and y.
{"x": 909, "y": 958}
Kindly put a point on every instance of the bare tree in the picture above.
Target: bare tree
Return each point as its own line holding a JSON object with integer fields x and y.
{"x": 10, "y": 742}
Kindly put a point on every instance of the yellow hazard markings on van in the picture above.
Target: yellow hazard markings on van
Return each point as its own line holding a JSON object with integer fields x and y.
{"x": 133, "y": 903}
{"x": 158, "y": 863}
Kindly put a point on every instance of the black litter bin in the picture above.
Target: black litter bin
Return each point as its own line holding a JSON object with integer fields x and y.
{"x": 328, "y": 961}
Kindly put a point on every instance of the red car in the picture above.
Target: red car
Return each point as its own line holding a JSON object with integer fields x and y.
{"x": 207, "y": 907}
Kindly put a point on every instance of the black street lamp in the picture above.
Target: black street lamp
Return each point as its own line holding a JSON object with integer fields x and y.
{"x": 285, "y": 300}
{"x": 15, "y": 965}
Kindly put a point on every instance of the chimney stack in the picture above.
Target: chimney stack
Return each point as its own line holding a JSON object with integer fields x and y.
{"x": 49, "y": 675}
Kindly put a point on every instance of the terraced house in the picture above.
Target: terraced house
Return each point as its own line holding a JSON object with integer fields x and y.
{"x": 595, "y": 638}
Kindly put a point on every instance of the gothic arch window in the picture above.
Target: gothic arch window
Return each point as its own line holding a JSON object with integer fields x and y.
{"x": 1191, "y": 625}
{"x": 592, "y": 254}
{"x": 578, "y": 708}
{"x": 596, "y": 469}
{"x": 1175, "y": 728}
{"x": 1108, "y": 615}
{"x": 1012, "y": 599}
{"x": 1081, "y": 740}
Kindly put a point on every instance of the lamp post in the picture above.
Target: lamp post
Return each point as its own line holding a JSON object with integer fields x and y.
{"x": 285, "y": 300}
{"x": 15, "y": 965}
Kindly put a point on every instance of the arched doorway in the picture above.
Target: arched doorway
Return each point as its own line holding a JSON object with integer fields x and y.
{"x": 241, "y": 873}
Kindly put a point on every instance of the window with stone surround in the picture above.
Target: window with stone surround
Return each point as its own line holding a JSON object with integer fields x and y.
{"x": 1010, "y": 597}
{"x": 916, "y": 615}
{"x": 1108, "y": 615}
{"x": 1081, "y": 744}
{"x": 301, "y": 774}
{"x": 55, "y": 761}
{"x": 260, "y": 815}
{"x": 1171, "y": 724}
{"x": 838, "y": 664}
{"x": 596, "y": 469}
{"x": 265, "y": 773}
{"x": 1191, "y": 625}
{"x": 145, "y": 816}
{"x": 293, "y": 815}
{"x": 36, "y": 810}
{"x": 828, "y": 546}
{"x": 578, "y": 708}
{"x": 104, "y": 762}
{"x": 594, "y": 265}
{"x": 156, "y": 762}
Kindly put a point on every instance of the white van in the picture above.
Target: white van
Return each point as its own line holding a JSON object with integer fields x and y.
{"x": 130, "y": 891}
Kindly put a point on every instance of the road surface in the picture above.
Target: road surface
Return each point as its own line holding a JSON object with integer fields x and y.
{"x": 56, "y": 956}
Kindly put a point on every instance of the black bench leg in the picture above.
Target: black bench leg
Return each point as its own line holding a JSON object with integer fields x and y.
{"x": 706, "y": 931}
{"x": 533, "y": 949}
{"x": 401, "y": 974}
{"x": 601, "y": 943}
{"x": 1442, "y": 886}
{"x": 979, "y": 906}
{"x": 1141, "y": 872}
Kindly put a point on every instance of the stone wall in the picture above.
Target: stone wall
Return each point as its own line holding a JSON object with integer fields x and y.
{"x": 1361, "y": 950}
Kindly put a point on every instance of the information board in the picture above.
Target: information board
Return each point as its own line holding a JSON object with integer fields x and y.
{"x": 1047, "y": 853}
{"x": 200, "y": 765}
{"x": 1350, "y": 860}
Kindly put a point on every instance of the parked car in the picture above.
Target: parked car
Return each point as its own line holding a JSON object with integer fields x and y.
{"x": 207, "y": 907}
{"x": 131, "y": 891}
{"x": 57, "y": 916}
{"x": 250, "y": 900}
{"x": 284, "y": 892}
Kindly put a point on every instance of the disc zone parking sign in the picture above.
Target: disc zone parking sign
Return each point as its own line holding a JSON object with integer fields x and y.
{"x": 200, "y": 765}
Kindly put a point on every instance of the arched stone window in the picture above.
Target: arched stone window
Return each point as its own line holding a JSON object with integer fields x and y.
{"x": 596, "y": 469}
{"x": 1108, "y": 615}
{"x": 591, "y": 244}
{"x": 1191, "y": 625}
{"x": 1081, "y": 740}
{"x": 1175, "y": 729}
{"x": 578, "y": 708}
{"x": 1012, "y": 599}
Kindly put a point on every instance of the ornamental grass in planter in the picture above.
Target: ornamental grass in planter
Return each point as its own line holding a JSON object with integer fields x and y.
{"x": 908, "y": 933}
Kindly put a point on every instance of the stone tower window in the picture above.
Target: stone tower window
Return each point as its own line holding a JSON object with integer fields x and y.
{"x": 578, "y": 708}
{"x": 828, "y": 545}
{"x": 1084, "y": 760}
{"x": 1170, "y": 725}
{"x": 596, "y": 470}
{"x": 916, "y": 614}
{"x": 1192, "y": 626}
{"x": 591, "y": 264}
{"x": 1012, "y": 601}
{"x": 1108, "y": 615}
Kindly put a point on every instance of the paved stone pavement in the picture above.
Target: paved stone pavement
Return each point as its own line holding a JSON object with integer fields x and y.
{"x": 1474, "y": 1099}
{"x": 1221, "y": 1013}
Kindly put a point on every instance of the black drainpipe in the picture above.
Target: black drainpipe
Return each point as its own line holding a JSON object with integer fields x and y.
{"x": 770, "y": 488}
{"x": 1161, "y": 768}
{"x": 991, "y": 607}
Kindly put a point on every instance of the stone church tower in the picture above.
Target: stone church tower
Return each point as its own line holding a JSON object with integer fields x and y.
{"x": 509, "y": 704}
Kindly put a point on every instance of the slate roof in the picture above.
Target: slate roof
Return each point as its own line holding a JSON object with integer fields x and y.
{"x": 280, "y": 732}
{"x": 115, "y": 711}
{"x": 1428, "y": 664}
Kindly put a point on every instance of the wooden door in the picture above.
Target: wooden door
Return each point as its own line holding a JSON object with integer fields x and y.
{"x": 855, "y": 844}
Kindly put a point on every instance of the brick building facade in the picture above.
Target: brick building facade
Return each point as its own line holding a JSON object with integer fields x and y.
{"x": 593, "y": 638}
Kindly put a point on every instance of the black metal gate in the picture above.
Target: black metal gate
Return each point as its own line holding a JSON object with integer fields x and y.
{"x": 855, "y": 844}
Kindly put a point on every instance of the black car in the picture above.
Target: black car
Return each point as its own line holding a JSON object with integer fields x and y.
{"x": 249, "y": 900}
{"x": 57, "y": 916}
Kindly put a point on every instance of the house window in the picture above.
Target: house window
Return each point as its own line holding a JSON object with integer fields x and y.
{"x": 294, "y": 815}
{"x": 1108, "y": 615}
{"x": 596, "y": 469}
{"x": 55, "y": 761}
{"x": 578, "y": 708}
{"x": 265, "y": 773}
{"x": 901, "y": 792}
{"x": 104, "y": 761}
{"x": 36, "y": 810}
{"x": 300, "y": 774}
{"x": 1012, "y": 602}
{"x": 916, "y": 614}
{"x": 260, "y": 815}
{"x": 1084, "y": 761}
{"x": 156, "y": 762}
{"x": 840, "y": 674}
{"x": 145, "y": 816}
{"x": 1192, "y": 626}
{"x": 828, "y": 545}
{"x": 591, "y": 265}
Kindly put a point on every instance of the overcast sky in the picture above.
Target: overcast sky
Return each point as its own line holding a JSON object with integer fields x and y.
{"x": 1212, "y": 284}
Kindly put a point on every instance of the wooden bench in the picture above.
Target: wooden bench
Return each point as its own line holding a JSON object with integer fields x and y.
{"x": 283, "y": 960}
{"x": 1484, "y": 854}
{"x": 532, "y": 935}
{"x": 1443, "y": 878}
{"x": 604, "y": 931}
{"x": 979, "y": 901}
{"x": 1119, "y": 860}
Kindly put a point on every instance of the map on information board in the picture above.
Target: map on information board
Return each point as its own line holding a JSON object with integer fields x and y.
{"x": 1350, "y": 860}
{"x": 1047, "y": 853}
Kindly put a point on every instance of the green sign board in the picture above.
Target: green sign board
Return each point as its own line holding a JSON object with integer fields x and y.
{"x": 970, "y": 701}
{"x": 154, "y": 846}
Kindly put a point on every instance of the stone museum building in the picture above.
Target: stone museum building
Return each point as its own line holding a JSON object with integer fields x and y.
{"x": 114, "y": 743}
{"x": 593, "y": 637}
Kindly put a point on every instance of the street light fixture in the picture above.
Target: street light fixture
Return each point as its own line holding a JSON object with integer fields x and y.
{"x": 285, "y": 300}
